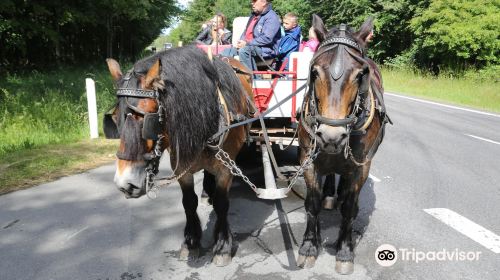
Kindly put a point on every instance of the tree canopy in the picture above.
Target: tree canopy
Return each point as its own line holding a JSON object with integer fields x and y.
{"x": 458, "y": 33}
{"x": 427, "y": 33}
{"x": 454, "y": 34}
{"x": 46, "y": 32}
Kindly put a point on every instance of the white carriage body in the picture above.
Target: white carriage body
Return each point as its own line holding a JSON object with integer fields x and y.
{"x": 285, "y": 86}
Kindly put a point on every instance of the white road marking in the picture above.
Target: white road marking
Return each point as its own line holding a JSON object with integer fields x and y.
{"x": 375, "y": 179}
{"x": 443, "y": 105}
{"x": 484, "y": 139}
{"x": 467, "y": 227}
{"x": 75, "y": 233}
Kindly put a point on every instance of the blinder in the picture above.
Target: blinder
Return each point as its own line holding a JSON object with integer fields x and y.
{"x": 151, "y": 128}
{"x": 110, "y": 127}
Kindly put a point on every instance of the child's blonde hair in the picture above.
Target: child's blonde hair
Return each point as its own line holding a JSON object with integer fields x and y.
{"x": 292, "y": 16}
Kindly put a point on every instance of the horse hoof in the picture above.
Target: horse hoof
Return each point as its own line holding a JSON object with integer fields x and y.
{"x": 344, "y": 268}
{"x": 328, "y": 203}
{"x": 186, "y": 254}
{"x": 306, "y": 261}
{"x": 221, "y": 260}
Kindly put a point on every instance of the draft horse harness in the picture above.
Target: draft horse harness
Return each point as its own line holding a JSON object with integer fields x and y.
{"x": 152, "y": 129}
{"x": 356, "y": 122}
{"x": 365, "y": 104}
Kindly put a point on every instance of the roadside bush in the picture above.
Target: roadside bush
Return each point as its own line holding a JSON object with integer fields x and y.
{"x": 458, "y": 34}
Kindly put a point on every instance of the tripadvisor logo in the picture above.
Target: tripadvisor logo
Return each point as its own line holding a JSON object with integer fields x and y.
{"x": 387, "y": 255}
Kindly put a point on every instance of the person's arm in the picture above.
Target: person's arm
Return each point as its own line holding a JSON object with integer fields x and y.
{"x": 269, "y": 30}
{"x": 226, "y": 38}
{"x": 287, "y": 44}
{"x": 202, "y": 37}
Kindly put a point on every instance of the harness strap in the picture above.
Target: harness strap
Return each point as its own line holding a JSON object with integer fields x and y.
{"x": 216, "y": 135}
{"x": 372, "y": 112}
{"x": 224, "y": 105}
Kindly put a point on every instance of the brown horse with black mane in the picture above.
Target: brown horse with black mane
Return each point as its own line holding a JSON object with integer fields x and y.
{"x": 177, "y": 100}
{"x": 341, "y": 127}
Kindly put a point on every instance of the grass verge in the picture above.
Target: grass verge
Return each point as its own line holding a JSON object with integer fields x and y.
{"x": 468, "y": 92}
{"x": 25, "y": 168}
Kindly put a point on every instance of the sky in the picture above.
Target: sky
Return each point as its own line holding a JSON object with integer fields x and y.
{"x": 183, "y": 3}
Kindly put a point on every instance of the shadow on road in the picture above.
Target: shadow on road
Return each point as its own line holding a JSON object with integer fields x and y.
{"x": 81, "y": 227}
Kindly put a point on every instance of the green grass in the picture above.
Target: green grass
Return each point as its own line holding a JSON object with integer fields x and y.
{"x": 28, "y": 167}
{"x": 37, "y": 109}
{"x": 469, "y": 92}
{"x": 44, "y": 125}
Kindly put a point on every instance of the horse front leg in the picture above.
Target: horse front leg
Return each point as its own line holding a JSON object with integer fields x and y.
{"x": 223, "y": 237}
{"x": 350, "y": 186}
{"x": 309, "y": 249}
{"x": 192, "y": 232}
{"x": 329, "y": 192}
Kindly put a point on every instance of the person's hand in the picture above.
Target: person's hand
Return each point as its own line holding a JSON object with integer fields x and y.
{"x": 369, "y": 38}
{"x": 240, "y": 44}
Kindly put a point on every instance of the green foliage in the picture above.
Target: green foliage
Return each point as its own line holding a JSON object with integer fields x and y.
{"x": 458, "y": 34}
{"x": 351, "y": 12}
{"x": 38, "y": 33}
{"x": 232, "y": 9}
{"x": 199, "y": 11}
{"x": 43, "y": 108}
{"x": 392, "y": 21}
{"x": 393, "y": 35}
{"x": 301, "y": 8}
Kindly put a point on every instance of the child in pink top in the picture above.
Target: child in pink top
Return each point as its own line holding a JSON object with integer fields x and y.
{"x": 312, "y": 44}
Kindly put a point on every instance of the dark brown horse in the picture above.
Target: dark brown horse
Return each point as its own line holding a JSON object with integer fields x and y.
{"x": 177, "y": 100}
{"x": 340, "y": 130}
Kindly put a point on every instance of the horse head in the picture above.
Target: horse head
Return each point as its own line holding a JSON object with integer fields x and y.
{"x": 134, "y": 118}
{"x": 339, "y": 81}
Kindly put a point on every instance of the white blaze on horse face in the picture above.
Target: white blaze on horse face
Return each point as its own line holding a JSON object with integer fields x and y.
{"x": 129, "y": 172}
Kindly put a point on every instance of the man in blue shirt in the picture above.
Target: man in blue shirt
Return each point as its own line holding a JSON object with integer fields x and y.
{"x": 261, "y": 36}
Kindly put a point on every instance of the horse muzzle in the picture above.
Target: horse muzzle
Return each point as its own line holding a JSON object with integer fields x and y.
{"x": 132, "y": 191}
{"x": 332, "y": 140}
{"x": 131, "y": 180}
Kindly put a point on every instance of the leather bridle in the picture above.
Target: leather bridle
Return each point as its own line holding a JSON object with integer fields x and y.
{"x": 339, "y": 43}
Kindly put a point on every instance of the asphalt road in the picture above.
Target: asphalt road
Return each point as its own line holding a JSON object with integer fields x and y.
{"x": 434, "y": 188}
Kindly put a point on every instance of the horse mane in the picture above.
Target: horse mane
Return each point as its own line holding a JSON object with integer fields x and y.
{"x": 190, "y": 97}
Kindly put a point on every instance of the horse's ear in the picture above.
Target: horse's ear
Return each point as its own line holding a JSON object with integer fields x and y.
{"x": 114, "y": 69}
{"x": 319, "y": 27}
{"x": 363, "y": 35}
{"x": 153, "y": 74}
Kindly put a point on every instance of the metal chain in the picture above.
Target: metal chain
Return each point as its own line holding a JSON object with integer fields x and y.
{"x": 152, "y": 188}
{"x": 309, "y": 160}
{"x": 223, "y": 157}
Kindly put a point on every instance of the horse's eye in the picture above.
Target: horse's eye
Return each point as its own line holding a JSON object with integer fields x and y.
{"x": 360, "y": 75}
{"x": 314, "y": 73}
